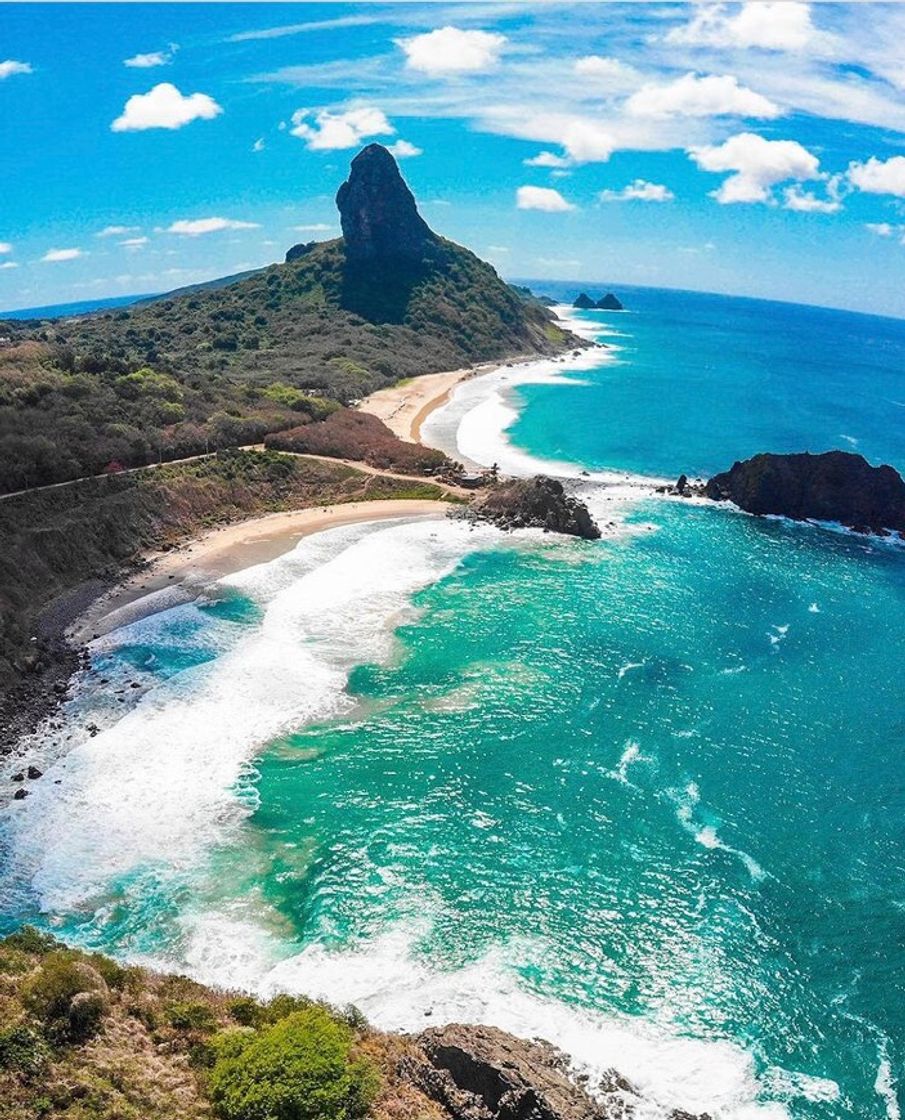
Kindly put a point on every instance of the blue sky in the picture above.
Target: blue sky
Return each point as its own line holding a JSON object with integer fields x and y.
{"x": 754, "y": 148}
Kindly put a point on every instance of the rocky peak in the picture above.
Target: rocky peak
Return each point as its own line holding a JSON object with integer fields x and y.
{"x": 378, "y": 212}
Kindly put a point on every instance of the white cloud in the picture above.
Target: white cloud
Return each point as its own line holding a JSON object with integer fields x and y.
{"x": 402, "y": 149}
{"x": 758, "y": 164}
{"x": 498, "y": 248}
{"x": 547, "y": 159}
{"x": 9, "y": 264}
{"x": 541, "y": 198}
{"x": 54, "y": 255}
{"x": 330, "y": 131}
{"x": 154, "y": 58}
{"x": 10, "y": 67}
{"x": 133, "y": 243}
{"x": 165, "y": 107}
{"x": 879, "y": 177}
{"x": 198, "y": 226}
{"x": 5, "y": 247}
{"x": 794, "y": 198}
{"x": 777, "y": 25}
{"x": 640, "y": 190}
{"x": 449, "y": 50}
{"x": 881, "y": 229}
{"x": 709, "y": 96}
{"x": 116, "y": 231}
{"x": 314, "y": 227}
{"x": 607, "y": 73}
{"x": 258, "y": 145}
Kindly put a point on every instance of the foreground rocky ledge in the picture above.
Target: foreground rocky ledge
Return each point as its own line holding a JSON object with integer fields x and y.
{"x": 833, "y": 486}
{"x": 535, "y": 503}
{"x": 483, "y": 1073}
{"x": 82, "y": 1035}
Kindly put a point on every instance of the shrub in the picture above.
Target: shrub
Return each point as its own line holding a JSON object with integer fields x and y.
{"x": 348, "y": 434}
{"x": 299, "y": 1069}
{"x": 30, "y": 940}
{"x": 53, "y": 995}
{"x": 23, "y": 1050}
{"x": 196, "y": 1016}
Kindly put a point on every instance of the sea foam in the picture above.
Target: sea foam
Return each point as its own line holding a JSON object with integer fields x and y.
{"x": 159, "y": 786}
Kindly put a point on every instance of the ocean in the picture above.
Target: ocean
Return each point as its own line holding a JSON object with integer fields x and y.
{"x": 643, "y": 797}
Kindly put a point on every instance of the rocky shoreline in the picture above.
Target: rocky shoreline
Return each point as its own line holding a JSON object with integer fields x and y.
{"x": 46, "y": 676}
{"x": 484, "y": 1073}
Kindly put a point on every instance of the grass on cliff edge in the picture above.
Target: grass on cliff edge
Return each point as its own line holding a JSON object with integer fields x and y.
{"x": 83, "y": 1038}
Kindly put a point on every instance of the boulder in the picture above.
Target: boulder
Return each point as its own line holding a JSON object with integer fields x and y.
{"x": 832, "y": 486}
{"x": 535, "y": 503}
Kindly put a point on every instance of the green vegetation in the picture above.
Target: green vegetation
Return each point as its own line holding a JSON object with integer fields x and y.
{"x": 223, "y": 366}
{"x": 165, "y": 1048}
{"x": 299, "y": 1069}
{"x": 347, "y": 434}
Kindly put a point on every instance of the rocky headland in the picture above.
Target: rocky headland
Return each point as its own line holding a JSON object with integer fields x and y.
{"x": 835, "y": 486}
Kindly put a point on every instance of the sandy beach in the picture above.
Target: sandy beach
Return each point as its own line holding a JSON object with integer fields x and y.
{"x": 405, "y": 407}
{"x": 177, "y": 575}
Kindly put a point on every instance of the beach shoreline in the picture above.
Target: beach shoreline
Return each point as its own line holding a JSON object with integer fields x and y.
{"x": 182, "y": 572}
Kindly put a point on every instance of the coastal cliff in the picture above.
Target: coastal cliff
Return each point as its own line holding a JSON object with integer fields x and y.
{"x": 833, "y": 486}
{"x": 81, "y": 1035}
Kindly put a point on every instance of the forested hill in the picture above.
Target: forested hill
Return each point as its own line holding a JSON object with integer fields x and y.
{"x": 224, "y": 366}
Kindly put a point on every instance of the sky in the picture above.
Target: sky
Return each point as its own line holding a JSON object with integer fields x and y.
{"x": 748, "y": 148}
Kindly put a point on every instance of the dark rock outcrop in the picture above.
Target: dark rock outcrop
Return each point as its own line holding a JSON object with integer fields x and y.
{"x": 833, "y": 486}
{"x": 299, "y": 251}
{"x": 610, "y": 303}
{"x": 482, "y": 1073}
{"x": 584, "y": 302}
{"x": 535, "y": 503}
{"x": 379, "y": 217}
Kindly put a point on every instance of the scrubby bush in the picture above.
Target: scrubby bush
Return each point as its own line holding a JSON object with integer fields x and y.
{"x": 68, "y": 995}
{"x": 301, "y": 1068}
{"x": 194, "y": 1016}
{"x": 23, "y": 1050}
{"x": 348, "y": 434}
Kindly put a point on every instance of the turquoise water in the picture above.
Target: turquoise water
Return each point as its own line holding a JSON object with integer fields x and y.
{"x": 702, "y": 380}
{"x": 643, "y": 796}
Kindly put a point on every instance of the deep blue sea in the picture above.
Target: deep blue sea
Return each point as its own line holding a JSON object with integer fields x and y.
{"x": 644, "y": 796}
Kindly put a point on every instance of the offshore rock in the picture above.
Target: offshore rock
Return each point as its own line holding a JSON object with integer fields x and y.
{"x": 379, "y": 217}
{"x": 535, "y": 503}
{"x": 610, "y": 303}
{"x": 833, "y": 486}
{"x": 584, "y": 302}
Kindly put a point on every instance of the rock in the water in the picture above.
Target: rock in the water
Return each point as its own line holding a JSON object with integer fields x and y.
{"x": 610, "y": 303}
{"x": 535, "y": 503}
{"x": 378, "y": 212}
{"x": 584, "y": 302}
{"x": 482, "y": 1073}
{"x": 34, "y": 773}
{"x": 834, "y": 486}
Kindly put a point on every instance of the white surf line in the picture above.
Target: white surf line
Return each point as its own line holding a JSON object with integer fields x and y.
{"x": 162, "y": 777}
{"x": 473, "y": 424}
